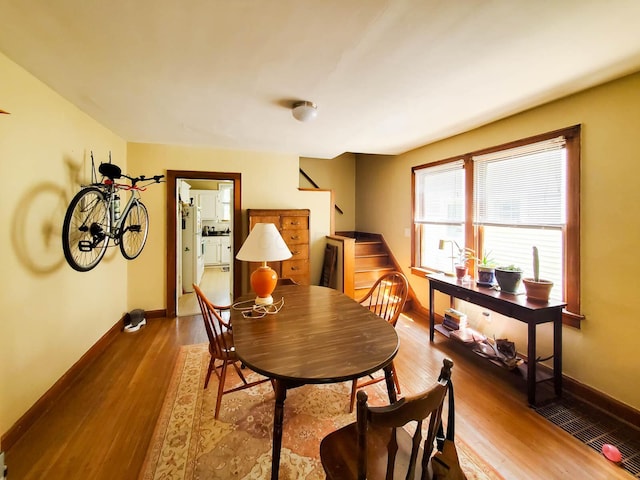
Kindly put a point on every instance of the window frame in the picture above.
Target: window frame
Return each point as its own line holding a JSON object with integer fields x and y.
{"x": 570, "y": 233}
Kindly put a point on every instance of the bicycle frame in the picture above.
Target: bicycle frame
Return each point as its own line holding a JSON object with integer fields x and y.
{"x": 116, "y": 218}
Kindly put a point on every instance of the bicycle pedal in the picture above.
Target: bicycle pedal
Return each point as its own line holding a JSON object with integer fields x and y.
{"x": 85, "y": 246}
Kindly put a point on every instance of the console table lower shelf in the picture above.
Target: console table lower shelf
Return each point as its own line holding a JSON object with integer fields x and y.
{"x": 467, "y": 339}
{"x": 517, "y": 307}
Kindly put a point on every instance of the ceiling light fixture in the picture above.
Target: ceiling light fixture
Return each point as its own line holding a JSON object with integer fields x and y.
{"x": 304, "y": 111}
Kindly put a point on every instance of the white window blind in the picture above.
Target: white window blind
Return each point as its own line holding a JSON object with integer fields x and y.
{"x": 440, "y": 193}
{"x": 523, "y": 186}
{"x": 520, "y": 202}
{"x": 439, "y": 211}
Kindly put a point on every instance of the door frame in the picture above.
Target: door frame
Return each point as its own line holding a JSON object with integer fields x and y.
{"x": 172, "y": 228}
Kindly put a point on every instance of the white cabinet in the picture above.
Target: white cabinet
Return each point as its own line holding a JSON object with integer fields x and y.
{"x": 215, "y": 204}
{"x": 207, "y": 200}
{"x": 225, "y": 250}
{"x": 185, "y": 194}
{"x": 211, "y": 250}
{"x": 217, "y": 250}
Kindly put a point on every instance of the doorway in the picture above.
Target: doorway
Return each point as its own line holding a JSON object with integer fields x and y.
{"x": 174, "y": 231}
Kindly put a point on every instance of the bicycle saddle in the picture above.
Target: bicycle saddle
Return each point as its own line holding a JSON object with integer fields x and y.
{"x": 110, "y": 170}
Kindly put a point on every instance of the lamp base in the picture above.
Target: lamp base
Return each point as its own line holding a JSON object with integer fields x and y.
{"x": 263, "y": 282}
{"x": 264, "y": 300}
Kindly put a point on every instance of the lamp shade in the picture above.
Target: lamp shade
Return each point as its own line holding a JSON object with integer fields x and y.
{"x": 264, "y": 244}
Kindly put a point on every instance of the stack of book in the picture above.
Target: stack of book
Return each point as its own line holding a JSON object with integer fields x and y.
{"x": 456, "y": 323}
{"x": 454, "y": 320}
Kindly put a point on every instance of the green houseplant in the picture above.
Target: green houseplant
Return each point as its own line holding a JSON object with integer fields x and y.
{"x": 464, "y": 255}
{"x": 537, "y": 289}
{"x": 486, "y": 269}
{"x": 508, "y": 278}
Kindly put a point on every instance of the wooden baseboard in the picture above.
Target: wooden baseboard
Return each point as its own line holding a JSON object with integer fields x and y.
{"x": 155, "y": 313}
{"x": 603, "y": 402}
{"x": 11, "y": 436}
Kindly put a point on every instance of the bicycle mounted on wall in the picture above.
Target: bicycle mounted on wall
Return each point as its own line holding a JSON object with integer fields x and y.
{"x": 94, "y": 218}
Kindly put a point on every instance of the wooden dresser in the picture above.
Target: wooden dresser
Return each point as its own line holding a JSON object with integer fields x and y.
{"x": 294, "y": 228}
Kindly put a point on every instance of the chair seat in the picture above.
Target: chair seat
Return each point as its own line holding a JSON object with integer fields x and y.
{"x": 336, "y": 452}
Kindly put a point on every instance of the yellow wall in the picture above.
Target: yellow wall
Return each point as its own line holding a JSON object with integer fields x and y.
{"x": 51, "y": 314}
{"x": 603, "y": 353}
{"x": 339, "y": 175}
{"x": 268, "y": 181}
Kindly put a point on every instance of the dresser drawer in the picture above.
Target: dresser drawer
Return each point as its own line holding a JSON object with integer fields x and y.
{"x": 295, "y": 237}
{"x": 295, "y": 223}
{"x": 266, "y": 219}
{"x": 294, "y": 267}
{"x": 299, "y": 252}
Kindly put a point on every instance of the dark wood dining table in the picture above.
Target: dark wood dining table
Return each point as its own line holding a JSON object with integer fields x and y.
{"x": 319, "y": 336}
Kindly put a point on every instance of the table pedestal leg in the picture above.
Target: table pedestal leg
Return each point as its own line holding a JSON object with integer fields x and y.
{"x": 391, "y": 387}
{"x": 278, "y": 419}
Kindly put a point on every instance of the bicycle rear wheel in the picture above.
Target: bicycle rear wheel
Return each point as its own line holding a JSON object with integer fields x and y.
{"x": 135, "y": 227}
{"x": 84, "y": 240}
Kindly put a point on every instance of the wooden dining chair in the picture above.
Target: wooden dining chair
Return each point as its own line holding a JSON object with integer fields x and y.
{"x": 221, "y": 348}
{"x": 386, "y": 298}
{"x": 377, "y": 446}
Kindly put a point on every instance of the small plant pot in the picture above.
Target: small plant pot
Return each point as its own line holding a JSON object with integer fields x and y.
{"x": 486, "y": 276}
{"x": 509, "y": 280}
{"x": 537, "y": 291}
{"x": 461, "y": 271}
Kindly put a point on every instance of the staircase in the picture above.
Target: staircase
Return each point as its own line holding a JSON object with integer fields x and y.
{"x": 371, "y": 259}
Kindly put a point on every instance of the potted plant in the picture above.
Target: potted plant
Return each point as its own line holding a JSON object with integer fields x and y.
{"x": 509, "y": 278}
{"x": 536, "y": 288}
{"x": 486, "y": 270}
{"x": 462, "y": 266}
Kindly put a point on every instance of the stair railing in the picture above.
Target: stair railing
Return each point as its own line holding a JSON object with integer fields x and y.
{"x": 315, "y": 185}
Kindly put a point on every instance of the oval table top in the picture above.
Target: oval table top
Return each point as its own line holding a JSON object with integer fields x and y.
{"x": 319, "y": 336}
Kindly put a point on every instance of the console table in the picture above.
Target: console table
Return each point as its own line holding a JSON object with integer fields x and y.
{"x": 514, "y": 306}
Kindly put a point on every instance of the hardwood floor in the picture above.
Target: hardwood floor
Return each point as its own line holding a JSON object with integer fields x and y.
{"x": 101, "y": 426}
{"x": 216, "y": 286}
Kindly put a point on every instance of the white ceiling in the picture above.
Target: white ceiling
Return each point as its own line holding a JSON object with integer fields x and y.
{"x": 387, "y": 75}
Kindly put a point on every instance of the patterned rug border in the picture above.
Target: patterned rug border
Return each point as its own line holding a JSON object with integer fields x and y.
{"x": 167, "y": 411}
{"x": 191, "y": 366}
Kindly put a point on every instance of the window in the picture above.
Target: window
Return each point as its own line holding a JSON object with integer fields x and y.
{"x": 501, "y": 202}
{"x": 439, "y": 212}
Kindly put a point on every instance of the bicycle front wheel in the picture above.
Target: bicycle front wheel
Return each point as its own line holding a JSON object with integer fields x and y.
{"x": 135, "y": 227}
{"x": 84, "y": 239}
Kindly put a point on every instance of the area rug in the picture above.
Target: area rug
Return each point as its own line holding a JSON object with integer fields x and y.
{"x": 188, "y": 443}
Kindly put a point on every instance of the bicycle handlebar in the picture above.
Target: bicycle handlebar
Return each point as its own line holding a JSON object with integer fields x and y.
{"x": 143, "y": 178}
{"x": 134, "y": 181}
{"x": 113, "y": 172}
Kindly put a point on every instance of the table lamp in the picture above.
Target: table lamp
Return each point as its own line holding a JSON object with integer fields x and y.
{"x": 264, "y": 244}
{"x": 441, "y": 245}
